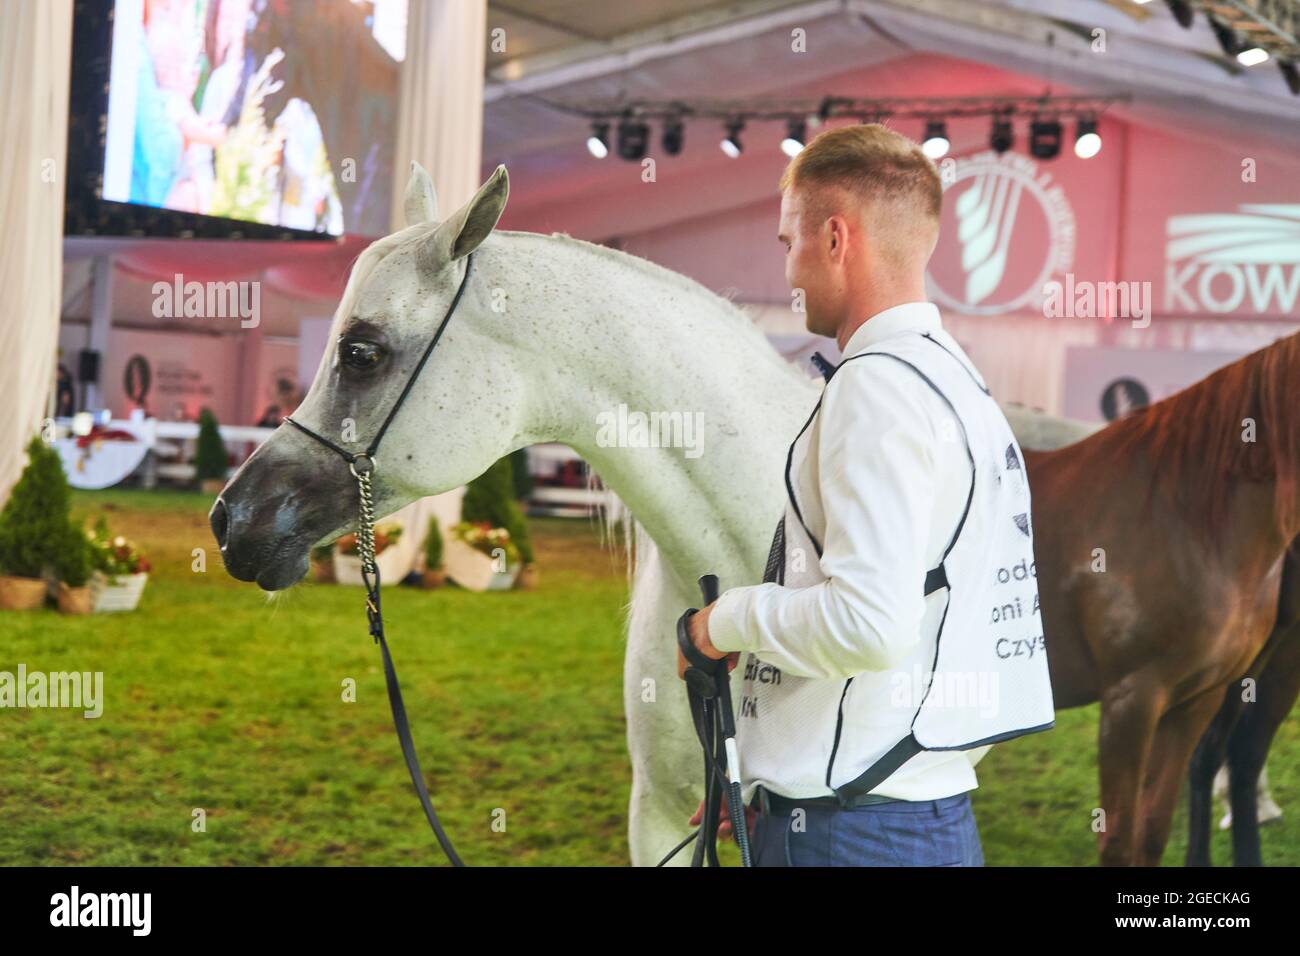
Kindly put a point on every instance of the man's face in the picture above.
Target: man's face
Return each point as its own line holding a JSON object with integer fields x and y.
{"x": 809, "y": 265}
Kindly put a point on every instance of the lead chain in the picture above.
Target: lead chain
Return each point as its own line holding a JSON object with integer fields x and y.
{"x": 366, "y": 529}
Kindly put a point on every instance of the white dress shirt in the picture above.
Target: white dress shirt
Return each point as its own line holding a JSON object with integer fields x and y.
{"x": 882, "y": 484}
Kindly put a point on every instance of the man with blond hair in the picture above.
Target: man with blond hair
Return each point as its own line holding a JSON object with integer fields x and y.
{"x": 898, "y": 623}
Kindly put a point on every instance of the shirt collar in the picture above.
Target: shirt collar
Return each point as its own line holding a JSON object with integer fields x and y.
{"x": 908, "y": 317}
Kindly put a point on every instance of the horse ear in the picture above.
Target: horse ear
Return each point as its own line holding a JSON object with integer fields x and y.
{"x": 420, "y": 203}
{"x": 468, "y": 226}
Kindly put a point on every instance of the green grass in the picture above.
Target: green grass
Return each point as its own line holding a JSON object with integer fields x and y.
{"x": 222, "y": 699}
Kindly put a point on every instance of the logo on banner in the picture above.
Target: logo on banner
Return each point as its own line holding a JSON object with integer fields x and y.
{"x": 1247, "y": 261}
{"x": 1008, "y": 228}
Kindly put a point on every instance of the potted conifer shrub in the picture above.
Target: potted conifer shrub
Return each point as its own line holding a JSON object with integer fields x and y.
{"x": 490, "y": 500}
{"x": 74, "y": 569}
{"x": 33, "y": 527}
{"x": 210, "y": 456}
{"x": 435, "y": 575}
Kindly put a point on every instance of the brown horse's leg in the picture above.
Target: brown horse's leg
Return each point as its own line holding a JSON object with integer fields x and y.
{"x": 1206, "y": 761}
{"x": 1176, "y": 737}
{"x": 1130, "y": 711}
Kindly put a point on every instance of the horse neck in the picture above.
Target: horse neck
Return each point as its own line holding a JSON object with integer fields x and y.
{"x": 646, "y": 341}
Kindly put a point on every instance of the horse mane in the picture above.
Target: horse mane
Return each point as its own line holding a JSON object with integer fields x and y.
{"x": 1196, "y": 438}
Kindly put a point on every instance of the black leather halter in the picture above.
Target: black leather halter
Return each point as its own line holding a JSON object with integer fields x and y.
{"x": 363, "y": 465}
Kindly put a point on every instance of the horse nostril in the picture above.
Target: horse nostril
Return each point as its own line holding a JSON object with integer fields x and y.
{"x": 219, "y": 519}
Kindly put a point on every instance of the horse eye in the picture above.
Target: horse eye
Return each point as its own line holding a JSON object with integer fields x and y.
{"x": 360, "y": 355}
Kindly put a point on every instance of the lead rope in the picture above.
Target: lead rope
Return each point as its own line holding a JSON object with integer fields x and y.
{"x": 375, "y": 615}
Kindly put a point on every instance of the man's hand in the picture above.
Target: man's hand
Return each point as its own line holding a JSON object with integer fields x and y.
{"x": 724, "y": 824}
{"x": 699, "y": 625}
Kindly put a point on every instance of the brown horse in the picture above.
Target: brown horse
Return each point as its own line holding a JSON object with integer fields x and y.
{"x": 1243, "y": 730}
{"x": 1160, "y": 543}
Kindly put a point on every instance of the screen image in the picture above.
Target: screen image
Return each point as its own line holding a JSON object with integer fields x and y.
{"x": 261, "y": 111}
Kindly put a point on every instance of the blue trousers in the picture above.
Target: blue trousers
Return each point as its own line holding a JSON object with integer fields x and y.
{"x": 903, "y": 833}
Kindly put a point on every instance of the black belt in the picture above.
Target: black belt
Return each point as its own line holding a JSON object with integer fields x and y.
{"x": 769, "y": 803}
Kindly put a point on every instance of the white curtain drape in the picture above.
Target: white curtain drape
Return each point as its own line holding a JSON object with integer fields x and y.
{"x": 440, "y": 118}
{"x": 35, "y": 51}
{"x": 440, "y": 126}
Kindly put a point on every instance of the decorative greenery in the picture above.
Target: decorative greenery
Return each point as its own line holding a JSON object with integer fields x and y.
{"x": 490, "y": 500}
{"x": 321, "y": 554}
{"x": 34, "y": 522}
{"x": 385, "y": 535}
{"x": 114, "y": 555}
{"x": 481, "y": 536}
{"x": 523, "y": 478}
{"x": 76, "y": 558}
{"x": 433, "y": 546}
{"x": 210, "y": 456}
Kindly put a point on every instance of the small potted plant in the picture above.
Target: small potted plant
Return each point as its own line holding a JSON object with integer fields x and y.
{"x": 481, "y": 557}
{"x": 210, "y": 460}
{"x": 347, "y": 559}
{"x": 435, "y": 575}
{"x": 74, "y": 567}
{"x": 33, "y": 525}
{"x": 322, "y": 563}
{"x": 121, "y": 570}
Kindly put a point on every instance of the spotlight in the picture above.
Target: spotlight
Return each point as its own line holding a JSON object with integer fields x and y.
{"x": 1227, "y": 39}
{"x": 731, "y": 143}
{"x": 796, "y": 134}
{"x": 1045, "y": 138}
{"x": 673, "y": 136}
{"x": 1182, "y": 11}
{"x": 633, "y": 138}
{"x": 1291, "y": 74}
{"x": 598, "y": 141}
{"x": 935, "y": 145}
{"x": 1002, "y": 136}
{"x": 1253, "y": 56}
{"x": 1087, "y": 141}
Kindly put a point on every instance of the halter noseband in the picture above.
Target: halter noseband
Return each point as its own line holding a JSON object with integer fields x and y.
{"x": 363, "y": 466}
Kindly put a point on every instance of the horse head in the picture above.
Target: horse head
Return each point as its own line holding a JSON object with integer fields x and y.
{"x": 294, "y": 492}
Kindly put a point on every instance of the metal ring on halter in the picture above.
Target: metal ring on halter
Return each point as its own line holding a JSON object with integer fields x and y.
{"x": 373, "y": 465}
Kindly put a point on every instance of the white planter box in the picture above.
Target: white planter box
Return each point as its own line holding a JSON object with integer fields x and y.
{"x": 347, "y": 567}
{"x": 121, "y": 593}
{"x": 473, "y": 570}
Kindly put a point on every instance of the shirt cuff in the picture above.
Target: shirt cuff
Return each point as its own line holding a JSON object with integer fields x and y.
{"x": 724, "y": 632}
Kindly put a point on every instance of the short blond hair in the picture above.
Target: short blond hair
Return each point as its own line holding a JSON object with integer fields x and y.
{"x": 870, "y": 163}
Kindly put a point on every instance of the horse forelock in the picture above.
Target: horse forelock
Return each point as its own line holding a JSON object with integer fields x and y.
{"x": 1239, "y": 424}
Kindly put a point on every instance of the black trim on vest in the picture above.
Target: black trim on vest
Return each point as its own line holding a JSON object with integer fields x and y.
{"x": 789, "y": 486}
{"x": 978, "y": 384}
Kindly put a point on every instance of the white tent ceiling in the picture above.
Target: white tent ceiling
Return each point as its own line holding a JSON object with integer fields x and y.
{"x": 583, "y": 51}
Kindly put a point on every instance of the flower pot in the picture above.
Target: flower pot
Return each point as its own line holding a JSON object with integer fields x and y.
{"x": 433, "y": 579}
{"x": 474, "y": 570}
{"x": 76, "y": 600}
{"x": 347, "y": 567}
{"x": 120, "y": 593}
{"x": 527, "y": 580}
{"x": 21, "y": 594}
{"x": 323, "y": 571}
{"x": 212, "y": 486}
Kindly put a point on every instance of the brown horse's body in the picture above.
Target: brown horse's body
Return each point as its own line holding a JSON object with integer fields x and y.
{"x": 1160, "y": 543}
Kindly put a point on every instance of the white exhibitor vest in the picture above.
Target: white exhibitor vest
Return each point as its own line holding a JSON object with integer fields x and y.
{"x": 989, "y": 680}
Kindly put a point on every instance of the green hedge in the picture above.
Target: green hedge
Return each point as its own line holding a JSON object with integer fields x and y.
{"x": 491, "y": 497}
{"x": 34, "y": 524}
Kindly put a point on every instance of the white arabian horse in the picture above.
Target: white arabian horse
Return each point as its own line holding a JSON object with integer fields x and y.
{"x": 552, "y": 336}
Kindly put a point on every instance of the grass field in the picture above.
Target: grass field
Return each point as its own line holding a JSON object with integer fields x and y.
{"x": 222, "y": 699}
